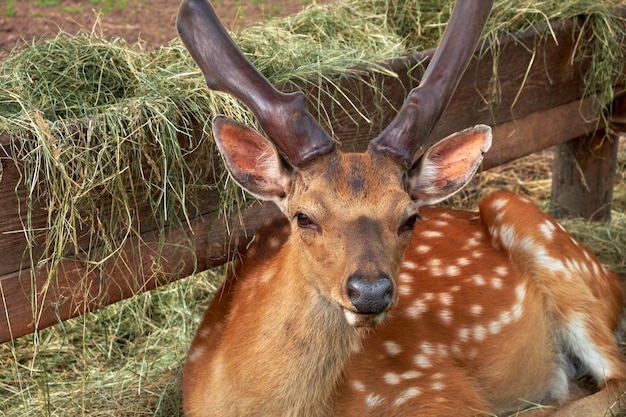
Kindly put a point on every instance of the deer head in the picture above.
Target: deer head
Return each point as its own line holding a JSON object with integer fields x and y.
{"x": 351, "y": 213}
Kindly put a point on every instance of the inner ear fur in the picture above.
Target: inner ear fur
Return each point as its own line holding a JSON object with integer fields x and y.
{"x": 252, "y": 160}
{"x": 448, "y": 165}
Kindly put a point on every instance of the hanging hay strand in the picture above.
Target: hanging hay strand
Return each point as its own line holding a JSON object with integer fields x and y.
{"x": 95, "y": 120}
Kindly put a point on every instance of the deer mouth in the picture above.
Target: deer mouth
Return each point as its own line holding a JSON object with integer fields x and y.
{"x": 363, "y": 319}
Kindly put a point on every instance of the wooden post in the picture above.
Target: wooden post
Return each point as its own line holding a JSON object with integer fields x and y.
{"x": 584, "y": 172}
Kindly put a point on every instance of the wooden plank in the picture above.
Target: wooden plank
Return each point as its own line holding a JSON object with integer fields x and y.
{"x": 156, "y": 259}
{"x": 583, "y": 177}
{"x": 542, "y": 130}
{"x": 584, "y": 171}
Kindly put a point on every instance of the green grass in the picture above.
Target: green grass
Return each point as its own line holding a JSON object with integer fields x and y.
{"x": 49, "y": 2}
{"x": 9, "y": 8}
{"x": 124, "y": 360}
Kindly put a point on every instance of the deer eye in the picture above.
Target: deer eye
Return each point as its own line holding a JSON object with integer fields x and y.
{"x": 304, "y": 221}
{"x": 409, "y": 224}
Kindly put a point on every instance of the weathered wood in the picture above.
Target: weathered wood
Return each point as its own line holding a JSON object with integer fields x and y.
{"x": 159, "y": 257}
{"x": 583, "y": 174}
{"x": 542, "y": 130}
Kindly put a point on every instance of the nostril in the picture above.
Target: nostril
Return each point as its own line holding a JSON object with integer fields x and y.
{"x": 370, "y": 295}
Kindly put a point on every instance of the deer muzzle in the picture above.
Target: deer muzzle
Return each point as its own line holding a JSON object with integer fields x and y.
{"x": 370, "y": 297}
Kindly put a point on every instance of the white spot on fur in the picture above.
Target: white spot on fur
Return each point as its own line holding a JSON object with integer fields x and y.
{"x": 479, "y": 333}
{"x": 195, "y": 353}
{"x": 517, "y": 312}
{"x": 405, "y": 278}
{"x": 495, "y": 327}
{"x": 373, "y": 400}
{"x": 471, "y": 242}
{"x": 505, "y": 318}
{"x": 437, "y": 386}
{"x": 496, "y": 283}
{"x": 440, "y": 223}
{"x": 392, "y": 348}
{"x": 498, "y": 204}
{"x": 357, "y": 386}
{"x": 434, "y": 266}
{"x": 422, "y": 361}
{"x": 463, "y": 262}
{"x": 418, "y": 308}
{"x": 542, "y": 258}
{"x": 478, "y": 280}
{"x": 409, "y": 265}
{"x": 405, "y": 289}
{"x": 445, "y": 316}
{"x": 445, "y": 298}
{"x": 422, "y": 249}
{"x": 476, "y": 310}
{"x": 547, "y": 229}
{"x": 464, "y": 333}
{"x": 431, "y": 234}
{"x": 407, "y": 395}
{"x": 391, "y": 378}
{"x": 205, "y": 332}
{"x": 453, "y": 271}
{"x": 411, "y": 375}
{"x": 427, "y": 348}
{"x": 501, "y": 271}
{"x": 596, "y": 269}
{"x": 507, "y": 237}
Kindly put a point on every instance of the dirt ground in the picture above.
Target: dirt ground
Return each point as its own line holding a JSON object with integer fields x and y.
{"x": 150, "y": 21}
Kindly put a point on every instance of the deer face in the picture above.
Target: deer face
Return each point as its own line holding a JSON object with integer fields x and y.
{"x": 351, "y": 214}
{"x": 351, "y": 220}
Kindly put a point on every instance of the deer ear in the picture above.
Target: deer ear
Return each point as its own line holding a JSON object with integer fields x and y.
{"x": 447, "y": 166}
{"x": 252, "y": 160}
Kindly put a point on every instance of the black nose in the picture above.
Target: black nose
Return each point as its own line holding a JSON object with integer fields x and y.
{"x": 370, "y": 295}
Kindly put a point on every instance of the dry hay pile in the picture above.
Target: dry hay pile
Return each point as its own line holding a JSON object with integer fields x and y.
{"x": 98, "y": 118}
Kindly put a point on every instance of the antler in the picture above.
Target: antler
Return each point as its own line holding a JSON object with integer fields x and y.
{"x": 283, "y": 117}
{"x": 425, "y": 103}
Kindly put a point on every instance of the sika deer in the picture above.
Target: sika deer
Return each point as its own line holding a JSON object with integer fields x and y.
{"x": 364, "y": 302}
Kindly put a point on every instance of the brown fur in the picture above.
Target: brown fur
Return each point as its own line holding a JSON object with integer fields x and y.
{"x": 480, "y": 324}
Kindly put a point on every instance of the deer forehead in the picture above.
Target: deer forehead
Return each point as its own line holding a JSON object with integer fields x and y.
{"x": 348, "y": 186}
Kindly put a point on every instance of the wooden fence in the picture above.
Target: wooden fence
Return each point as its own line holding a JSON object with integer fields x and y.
{"x": 537, "y": 102}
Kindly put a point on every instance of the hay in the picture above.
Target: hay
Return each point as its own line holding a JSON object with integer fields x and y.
{"x": 136, "y": 110}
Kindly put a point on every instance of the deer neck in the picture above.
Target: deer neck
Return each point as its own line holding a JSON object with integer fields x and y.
{"x": 291, "y": 341}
